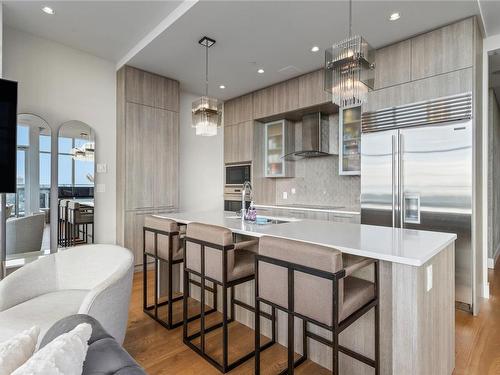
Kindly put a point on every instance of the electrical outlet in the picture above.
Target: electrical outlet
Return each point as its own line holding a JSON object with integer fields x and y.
{"x": 293, "y": 191}
{"x": 102, "y": 168}
{"x": 429, "y": 277}
{"x": 101, "y": 188}
{"x": 285, "y": 195}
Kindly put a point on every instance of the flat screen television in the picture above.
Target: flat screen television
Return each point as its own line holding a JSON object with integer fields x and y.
{"x": 8, "y": 135}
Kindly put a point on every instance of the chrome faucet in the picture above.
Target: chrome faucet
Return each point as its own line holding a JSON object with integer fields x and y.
{"x": 247, "y": 186}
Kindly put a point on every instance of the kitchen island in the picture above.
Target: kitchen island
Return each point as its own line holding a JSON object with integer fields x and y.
{"x": 417, "y": 291}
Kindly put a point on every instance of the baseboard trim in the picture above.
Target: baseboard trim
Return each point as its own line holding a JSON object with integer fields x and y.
{"x": 493, "y": 261}
{"x": 486, "y": 290}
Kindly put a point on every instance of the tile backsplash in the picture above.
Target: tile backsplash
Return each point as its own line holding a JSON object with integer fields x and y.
{"x": 317, "y": 182}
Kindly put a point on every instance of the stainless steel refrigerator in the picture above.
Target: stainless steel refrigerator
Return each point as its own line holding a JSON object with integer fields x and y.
{"x": 416, "y": 173}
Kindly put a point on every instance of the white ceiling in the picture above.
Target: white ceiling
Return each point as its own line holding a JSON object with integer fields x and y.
{"x": 108, "y": 29}
{"x": 249, "y": 34}
{"x": 276, "y": 34}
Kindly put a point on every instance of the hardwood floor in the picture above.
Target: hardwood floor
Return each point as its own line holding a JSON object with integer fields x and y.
{"x": 162, "y": 352}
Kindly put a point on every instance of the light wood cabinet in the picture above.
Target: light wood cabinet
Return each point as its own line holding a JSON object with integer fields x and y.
{"x": 151, "y": 136}
{"x": 139, "y": 156}
{"x": 393, "y": 65}
{"x": 238, "y": 110}
{"x": 166, "y": 148}
{"x": 238, "y": 142}
{"x": 263, "y": 102}
{"x": 286, "y": 96}
{"x": 147, "y": 152}
{"x": 279, "y": 140}
{"x": 311, "y": 89}
{"x": 443, "y": 50}
{"x": 151, "y": 89}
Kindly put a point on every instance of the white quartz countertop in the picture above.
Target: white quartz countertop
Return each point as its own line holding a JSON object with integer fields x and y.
{"x": 405, "y": 246}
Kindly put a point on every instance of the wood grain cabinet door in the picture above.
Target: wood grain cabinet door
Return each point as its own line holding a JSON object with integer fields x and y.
{"x": 286, "y": 96}
{"x": 311, "y": 89}
{"x": 140, "y": 133}
{"x": 139, "y": 87}
{"x": 244, "y": 141}
{"x": 443, "y": 50}
{"x": 166, "y": 161}
{"x": 393, "y": 65}
{"x": 229, "y": 146}
{"x": 166, "y": 93}
{"x": 263, "y": 102}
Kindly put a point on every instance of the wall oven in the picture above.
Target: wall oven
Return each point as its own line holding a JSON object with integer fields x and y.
{"x": 236, "y": 175}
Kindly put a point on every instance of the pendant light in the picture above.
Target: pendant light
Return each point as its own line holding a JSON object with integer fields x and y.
{"x": 206, "y": 111}
{"x": 349, "y": 69}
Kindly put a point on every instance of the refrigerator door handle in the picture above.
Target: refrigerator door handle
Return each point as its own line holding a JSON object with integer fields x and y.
{"x": 401, "y": 182}
{"x": 393, "y": 181}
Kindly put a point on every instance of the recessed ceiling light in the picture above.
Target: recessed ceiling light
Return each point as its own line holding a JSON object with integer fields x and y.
{"x": 260, "y": 71}
{"x": 395, "y": 16}
{"x": 315, "y": 49}
{"x": 48, "y": 10}
{"x": 222, "y": 87}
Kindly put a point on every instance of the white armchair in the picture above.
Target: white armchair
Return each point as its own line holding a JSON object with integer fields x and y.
{"x": 25, "y": 234}
{"x": 90, "y": 279}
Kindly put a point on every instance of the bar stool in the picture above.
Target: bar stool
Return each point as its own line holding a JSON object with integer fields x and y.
{"x": 79, "y": 216}
{"x": 320, "y": 290}
{"x": 212, "y": 255}
{"x": 62, "y": 224}
{"x": 163, "y": 241}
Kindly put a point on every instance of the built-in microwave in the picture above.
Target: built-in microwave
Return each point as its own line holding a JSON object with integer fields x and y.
{"x": 237, "y": 174}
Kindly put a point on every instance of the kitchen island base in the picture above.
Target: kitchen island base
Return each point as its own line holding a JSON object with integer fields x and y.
{"x": 417, "y": 326}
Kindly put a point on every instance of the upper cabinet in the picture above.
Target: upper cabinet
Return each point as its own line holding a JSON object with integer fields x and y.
{"x": 263, "y": 102}
{"x": 238, "y": 110}
{"x": 350, "y": 141}
{"x": 151, "y": 89}
{"x": 311, "y": 89}
{"x": 279, "y": 139}
{"x": 238, "y": 142}
{"x": 286, "y": 96}
{"x": 393, "y": 65}
{"x": 443, "y": 50}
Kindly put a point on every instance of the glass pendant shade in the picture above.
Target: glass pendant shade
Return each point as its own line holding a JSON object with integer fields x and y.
{"x": 206, "y": 116}
{"x": 349, "y": 72}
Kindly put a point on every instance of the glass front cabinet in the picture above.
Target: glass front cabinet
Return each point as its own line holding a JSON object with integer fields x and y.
{"x": 279, "y": 138}
{"x": 350, "y": 141}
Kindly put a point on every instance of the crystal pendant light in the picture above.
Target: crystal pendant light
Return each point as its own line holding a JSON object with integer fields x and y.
{"x": 349, "y": 69}
{"x": 206, "y": 111}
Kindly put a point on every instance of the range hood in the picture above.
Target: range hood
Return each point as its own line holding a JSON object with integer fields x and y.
{"x": 314, "y": 138}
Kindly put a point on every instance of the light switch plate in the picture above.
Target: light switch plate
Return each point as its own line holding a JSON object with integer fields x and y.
{"x": 293, "y": 191}
{"x": 429, "y": 277}
{"x": 285, "y": 195}
{"x": 101, "y": 188}
{"x": 102, "y": 168}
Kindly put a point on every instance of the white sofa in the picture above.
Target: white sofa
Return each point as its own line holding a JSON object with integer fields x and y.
{"x": 90, "y": 279}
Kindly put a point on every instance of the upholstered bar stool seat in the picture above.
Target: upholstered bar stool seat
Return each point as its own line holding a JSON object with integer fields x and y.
{"x": 163, "y": 225}
{"x": 318, "y": 280}
{"x": 240, "y": 261}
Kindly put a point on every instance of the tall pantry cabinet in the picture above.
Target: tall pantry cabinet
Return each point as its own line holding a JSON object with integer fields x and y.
{"x": 147, "y": 152}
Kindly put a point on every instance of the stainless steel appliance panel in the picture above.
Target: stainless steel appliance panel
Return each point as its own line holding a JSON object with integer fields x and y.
{"x": 379, "y": 178}
{"x": 436, "y": 186}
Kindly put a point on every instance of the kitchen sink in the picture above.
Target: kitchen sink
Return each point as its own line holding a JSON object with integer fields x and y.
{"x": 270, "y": 220}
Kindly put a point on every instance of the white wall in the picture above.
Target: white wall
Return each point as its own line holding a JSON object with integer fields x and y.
{"x": 60, "y": 83}
{"x": 200, "y": 164}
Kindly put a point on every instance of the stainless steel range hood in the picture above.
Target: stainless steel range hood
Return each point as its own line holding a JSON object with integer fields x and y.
{"x": 315, "y": 137}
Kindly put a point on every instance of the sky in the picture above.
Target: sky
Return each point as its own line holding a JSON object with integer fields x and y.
{"x": 82, "y": 168}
